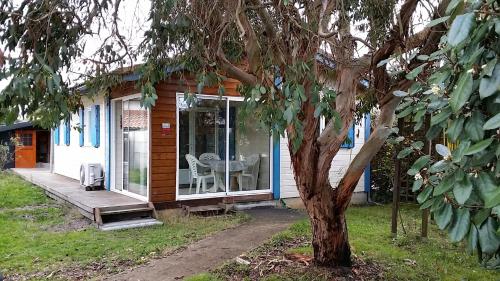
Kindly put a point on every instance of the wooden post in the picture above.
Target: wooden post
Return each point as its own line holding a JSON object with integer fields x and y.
{"x": 425, "y": 213}
{"x": 395, "y": 197}
{"x": 396, "y": 188}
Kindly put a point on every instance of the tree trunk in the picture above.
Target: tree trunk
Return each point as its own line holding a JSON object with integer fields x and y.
{"x": 330, "y": 241}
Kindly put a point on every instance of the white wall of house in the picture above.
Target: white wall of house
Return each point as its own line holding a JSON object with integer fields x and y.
{"x": 288, "y": 188}
{"x": 67, "y": 159}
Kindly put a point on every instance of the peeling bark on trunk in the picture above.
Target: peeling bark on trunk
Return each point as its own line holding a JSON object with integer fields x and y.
{"x": 330, "y": 241}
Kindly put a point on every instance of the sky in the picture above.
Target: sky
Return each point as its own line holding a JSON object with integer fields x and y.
{"x": 132, "y": 24}
{"x": 133, "y": 21}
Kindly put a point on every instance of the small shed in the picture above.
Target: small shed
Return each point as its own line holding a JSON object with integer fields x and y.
{"x": 32, "y": 148}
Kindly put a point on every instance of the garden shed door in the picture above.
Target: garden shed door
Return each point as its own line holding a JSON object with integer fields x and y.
{"x": 26, "y": 149}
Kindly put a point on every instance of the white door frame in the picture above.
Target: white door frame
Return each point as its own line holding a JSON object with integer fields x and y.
{"x": 113, "y": 151}
{"x": 226, "y": 193}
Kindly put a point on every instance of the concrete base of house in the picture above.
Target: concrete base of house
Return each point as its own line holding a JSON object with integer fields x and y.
{"x": 358, "y": 198}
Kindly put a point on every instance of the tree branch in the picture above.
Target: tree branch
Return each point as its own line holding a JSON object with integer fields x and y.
{"x": 365, "y": 155}
{"x": 230, "y": 69}
{"x": 248, "y": 35}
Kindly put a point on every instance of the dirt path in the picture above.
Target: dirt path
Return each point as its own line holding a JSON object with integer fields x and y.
{"x": 212, "y": 251}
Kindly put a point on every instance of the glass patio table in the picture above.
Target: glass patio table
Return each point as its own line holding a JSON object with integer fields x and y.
{"x": 219, "y": 167}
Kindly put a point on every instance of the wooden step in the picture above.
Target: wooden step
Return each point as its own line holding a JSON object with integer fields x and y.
{"x": 124, "y": 207}
{"x": 203, "y": 210}
{"x": 124, "y": 211}
{"x": 129, "y": 224}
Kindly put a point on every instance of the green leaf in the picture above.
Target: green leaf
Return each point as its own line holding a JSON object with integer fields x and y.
{"x": 420, "y": 163}
{"x": 488, "y": 190}
{"x": 415, "y": 72}
{"x": 478, "y": 147}
{"x": 437, "y": 21}
{"x": 427, "y": 204}
{"x": 288, "y": 114}
{"x": 462, "y": 190}
{"x": 445, "y": 185}
{"x": 481, "y": 216}
{"x": 488, "y": 238}
{"x": 443, "y": 150}
{"x": 439, "y": 166}
{"x": 422, "y": 57}
{"x": 474, "y": 126}
{"x": 459, "y": 152}
{"x": 455, "y": 128}
{"x": 490, "y": 66}
{"x": 460, "y": 29}
{"x": 399, "y": 93}
{"x": 383, "y": 62}
{"x": 405, "y": 112}
{"x": 405, "y": 152}
{"x": 441, "y": 116}
{"x": 443, "y": 216}
{"x": 492, "y": 123}
{"x": 460, "y": 225}
{"x": 489, "y": 85}
{"x": 462, "y": 92}
{"x": 472, "y": 239}
{"x": 452, "y": 5}
{"x": 416, "y": 185}
{"x": 424, "y": 195}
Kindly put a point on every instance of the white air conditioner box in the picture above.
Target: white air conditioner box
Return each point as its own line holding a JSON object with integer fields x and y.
{"x": 91, "y": 175}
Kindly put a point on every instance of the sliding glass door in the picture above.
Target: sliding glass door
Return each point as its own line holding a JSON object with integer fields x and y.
{"x": 219, "y": 151}
{"x": 202, "y": 142}
{"x": 131, "y": 140}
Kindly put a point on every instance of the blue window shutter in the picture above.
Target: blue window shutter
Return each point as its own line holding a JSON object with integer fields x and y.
{"x": 92, "y": 126}
{"x": 82, "y": 126}
{"x": 97, "y": 126}
{"x": 67, "y": 132}
{"x": 349, "y": 142}
{"x": 56, "y": 135}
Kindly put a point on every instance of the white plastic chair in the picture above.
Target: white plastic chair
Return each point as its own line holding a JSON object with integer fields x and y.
{"x": 251, "y": 173}
{"x": 209, "y": 156}
{"x": 201, "y": 179}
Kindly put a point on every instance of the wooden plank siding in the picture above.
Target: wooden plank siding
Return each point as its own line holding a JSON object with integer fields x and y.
{"x": 163, "y": 146}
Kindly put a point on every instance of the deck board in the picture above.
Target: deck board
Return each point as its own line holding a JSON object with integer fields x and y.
{"x": 69, "y": 190}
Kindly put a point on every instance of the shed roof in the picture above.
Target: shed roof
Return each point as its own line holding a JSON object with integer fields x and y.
{"x": 15, "y": 126}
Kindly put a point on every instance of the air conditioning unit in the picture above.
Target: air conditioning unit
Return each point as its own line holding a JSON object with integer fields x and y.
{"x": 91, "y": 176}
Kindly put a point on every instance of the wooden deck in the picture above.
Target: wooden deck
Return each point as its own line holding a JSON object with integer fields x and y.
{"x": 69, "y": 191}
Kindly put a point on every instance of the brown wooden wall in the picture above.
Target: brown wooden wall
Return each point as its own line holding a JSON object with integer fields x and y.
{"x": 163, "y": 146}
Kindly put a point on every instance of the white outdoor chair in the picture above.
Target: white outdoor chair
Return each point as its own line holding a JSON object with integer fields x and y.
{"x": 209, "y": 156}
{"x": 250, "y": 175}
{"x": 201, "y": 178}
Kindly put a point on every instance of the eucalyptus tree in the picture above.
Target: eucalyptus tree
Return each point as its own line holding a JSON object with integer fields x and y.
{"x": 298, "y": 62}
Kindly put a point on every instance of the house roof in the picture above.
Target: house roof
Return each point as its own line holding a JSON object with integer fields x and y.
{"x": 15, "y": 126}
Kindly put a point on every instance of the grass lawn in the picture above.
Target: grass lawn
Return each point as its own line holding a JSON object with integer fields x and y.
{"x": 34, "y": 236}
{"x": 404, "y": 258}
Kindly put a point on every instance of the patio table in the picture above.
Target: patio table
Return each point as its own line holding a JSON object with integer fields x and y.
{"x": 219, "y": 167}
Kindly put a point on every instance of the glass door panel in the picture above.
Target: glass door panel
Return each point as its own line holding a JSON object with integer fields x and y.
{"x": 135, "y": 147}
{"x": 118, "y": 152}
{"x": 249, "y": 148}
{"x": 202, "y": 142}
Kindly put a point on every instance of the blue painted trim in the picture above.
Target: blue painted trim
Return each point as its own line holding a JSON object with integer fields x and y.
{"x": 98, "y": 125}
{"x": 367, "y": 168}
{"x": 276, "y": 168}
{"x": 57, "y": 135}
{"x": 67, "y": 132}
{"x": 108, "y": 145}
{"x": 82, "y": 126}
{"x": 349, "y": 142}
